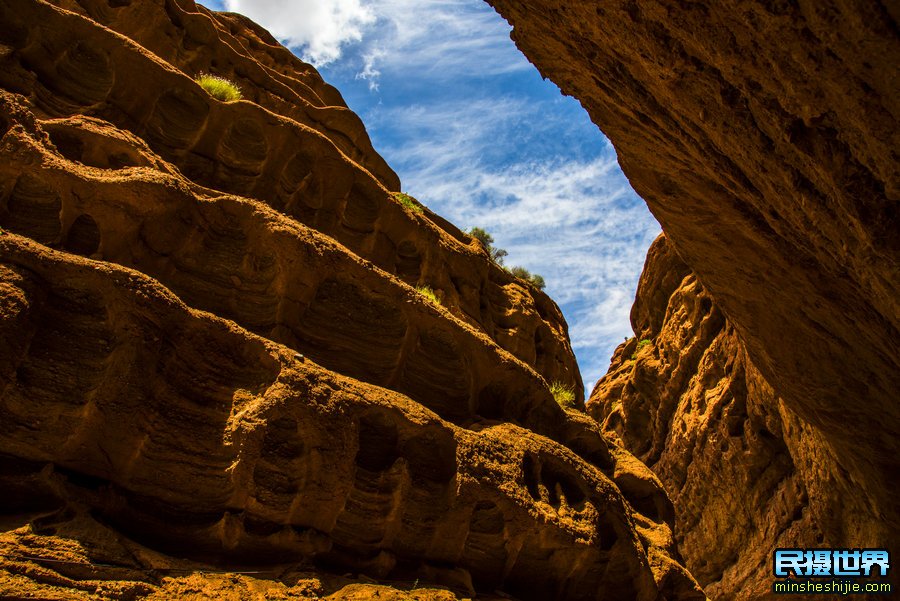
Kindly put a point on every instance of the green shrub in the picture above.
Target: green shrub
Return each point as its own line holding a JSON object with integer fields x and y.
{"x": 532, "y": 278}
{"x": 428, "y": 293}
{"x": 482, "y": 236}
{"x": 408, "y": 201}
{"x": 497, "y": 255}
{"x": 564, "y": 395}
{"x": 644, "y": 342}
{"x": 219, "y": 87}
{"x": 520, "y": 272}
{"x": 487, "y": 240}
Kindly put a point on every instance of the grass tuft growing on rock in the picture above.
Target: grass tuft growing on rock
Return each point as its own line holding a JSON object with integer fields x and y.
{"x": 564, "y": 395}
{"x": 644, "y": 342}
{"x": 428, "y": 293}
{"x": 408, "y": 201}
{"x": 219, "y": 87}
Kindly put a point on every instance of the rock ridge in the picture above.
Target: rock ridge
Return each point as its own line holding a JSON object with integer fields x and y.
{"x": 763, "y": 137}
{"x": 217, "y": 377}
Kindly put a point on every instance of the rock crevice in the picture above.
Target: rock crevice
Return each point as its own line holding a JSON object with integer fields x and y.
{"x": 763, "y": 137}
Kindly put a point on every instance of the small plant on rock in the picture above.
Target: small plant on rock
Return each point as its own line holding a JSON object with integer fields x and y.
{"x": 428, "y": 293}
{"x": 644, "y": 342}
{"x": 408, "y": 201}
{"x": 487, "y": 240}
{"x": 219, "y": 87}
{"x": 537, "y": 281}
{"x": 532, "y": 278}
{"x": 564, "y": 395}
{"x": 497, "y": 255}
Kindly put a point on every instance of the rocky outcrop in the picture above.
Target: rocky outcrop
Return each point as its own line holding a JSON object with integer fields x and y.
{"x": 763, "y": 137}
{"x": 195, "y": 437}
{"x": 213, "y": 357}
{"x": 69, "y": 65}
{"x": 745, "y": 473}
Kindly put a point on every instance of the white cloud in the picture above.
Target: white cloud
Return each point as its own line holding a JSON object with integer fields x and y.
{"x": 575, "y": 221}
{"x": 442, "y": 38}
{"x": 450, "y": 106}
{"x": 315, "y": 28}
{"x": 437, "y": 38}
{"x": 369, "y": 72}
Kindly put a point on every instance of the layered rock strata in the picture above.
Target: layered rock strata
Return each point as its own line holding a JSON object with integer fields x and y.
{"x": 763, "y": 136}
{"x": 68, "y": 64}
{"x": 189, "y": 434}
{"x": 745, "y": 473}
{"x": 213, "y": 358}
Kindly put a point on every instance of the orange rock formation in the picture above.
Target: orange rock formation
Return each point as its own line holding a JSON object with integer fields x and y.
{"x": 213, "y": 357}
{"x": 764, "y": 137}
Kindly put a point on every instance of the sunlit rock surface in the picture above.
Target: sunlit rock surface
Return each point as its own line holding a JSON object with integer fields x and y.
{"x": 213, "y": 357}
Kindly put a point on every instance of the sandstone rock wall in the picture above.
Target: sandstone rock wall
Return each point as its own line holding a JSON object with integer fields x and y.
{"x": 70, "y": 65}
{"x": 763, "y": 136}
{"x": 193, "y": 436}
{"x": 746, "y": 474}
{"x": 212, "y": 356}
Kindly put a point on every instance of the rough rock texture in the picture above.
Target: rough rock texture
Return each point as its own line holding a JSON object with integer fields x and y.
{"x": 745, "y": 474}
{"x": 194, "y": 437}
{"x": 763, "y": 136}
{"x": 213, "y": 359}
{"x": 70, "y": 66}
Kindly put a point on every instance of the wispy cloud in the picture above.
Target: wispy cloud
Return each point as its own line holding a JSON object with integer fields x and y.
{"x": 317, "y": 29}
{"x": 434, "y": 38}
{"x": 369, "y": 72}
{"x": 476, "y": 134}
{"x": 439, "y": 39}
{"x": 573, "y": 219}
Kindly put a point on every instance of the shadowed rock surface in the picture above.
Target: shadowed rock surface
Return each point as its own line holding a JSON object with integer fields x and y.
{"x": 763, "y": 136}
{"x": 245, "y": 149}
{"x": 745, "y": 473}
{"x": 217, "y": 380}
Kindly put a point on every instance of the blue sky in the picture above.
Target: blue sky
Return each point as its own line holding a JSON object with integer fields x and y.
{"x": 476, "y": 134}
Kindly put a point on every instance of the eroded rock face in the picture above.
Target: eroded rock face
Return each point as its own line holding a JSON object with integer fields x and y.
{"x": 70, "y": 67}
{"x": 192, "y": 436}
{"x": 764, "y": 138}
{"x": 745, "y": 473}
{"x": 212, "y": 356}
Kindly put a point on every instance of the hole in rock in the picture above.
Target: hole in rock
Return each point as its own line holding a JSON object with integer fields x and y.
{"x": 84, "y": 236}
{"x": 607, "y": 532}
{"x": 361, "y": 211}
{"x": 431, "y": 456}
{"x": 33, "y": 210}
{"x": 644, "y": 497}
{"x": 593, "y": 449}
{"x": 68, "y": 144}
{"x": 492, "y": 403}
{"x": 559, "y": 481}
{"x": 377, "y": 443}
{"x": 409, "y": 262}
{"x": 530, "y": 469}
{"x": 282, "y": 440}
